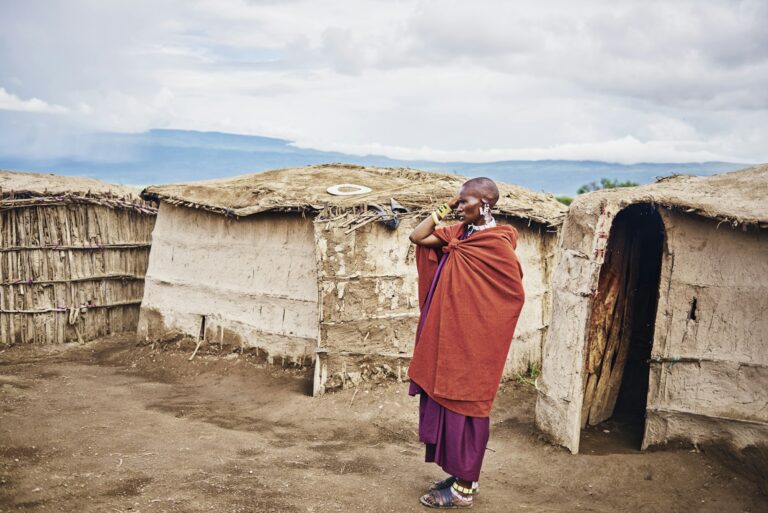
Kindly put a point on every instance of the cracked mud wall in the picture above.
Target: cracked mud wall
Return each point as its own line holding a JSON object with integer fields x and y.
{"x": 713, "y": 388}
{"x": 292, "y": 286}
{"x": 253, "y": 280}
{"x": 536, "y": 251}
{"x": 369, "y": 300}
{"x": 709, "y": 370}
{"x": 575, "y": 272}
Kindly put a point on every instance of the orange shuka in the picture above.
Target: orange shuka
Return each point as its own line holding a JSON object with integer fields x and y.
{"x": 463, "y": 344}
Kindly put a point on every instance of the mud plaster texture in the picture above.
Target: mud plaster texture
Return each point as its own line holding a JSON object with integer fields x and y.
{"x": 708, "y": 383}
{"x": 110, "y": 427}
{"x": 369, "y": 300}
{"x": 273, "y": 263}
{"x": 248, "y": 283}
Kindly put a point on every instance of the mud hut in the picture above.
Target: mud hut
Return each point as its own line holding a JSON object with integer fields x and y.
{"x": 660, "y": 296}
{"x": 73, "y": 253}
{"x": 274, "y": 263}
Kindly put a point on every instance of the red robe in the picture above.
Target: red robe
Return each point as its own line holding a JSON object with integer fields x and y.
{"x": 462, "y": 347}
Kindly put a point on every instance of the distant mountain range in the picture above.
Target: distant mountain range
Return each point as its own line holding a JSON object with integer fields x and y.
{"x": 166, "y": 156}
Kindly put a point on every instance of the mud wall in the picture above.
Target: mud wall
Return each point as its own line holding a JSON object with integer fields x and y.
{"x": 709, "y": 378}
{"x": 369, "y": 300}
{"x": 536, "y": 251}
{"x": 560, "y": 387}
{"x": 71, "y": 272}
{"x": 248, "y": 282}
{"x": 709, "y": 366}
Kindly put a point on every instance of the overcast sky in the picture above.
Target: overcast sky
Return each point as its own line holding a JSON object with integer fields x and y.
{"x": 624, "y": 81}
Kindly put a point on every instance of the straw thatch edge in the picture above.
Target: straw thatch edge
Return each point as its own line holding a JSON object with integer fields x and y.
{"x": 25, "y": 199}
{"x": 737, "y": 198}
{"x": 21, "y": 189}
{"x": 539, "y": 208}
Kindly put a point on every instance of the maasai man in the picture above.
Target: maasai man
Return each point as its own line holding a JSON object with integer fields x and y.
{"x": 470, "y": 295}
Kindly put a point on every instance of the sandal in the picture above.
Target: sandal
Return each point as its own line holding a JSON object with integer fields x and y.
{"x": 448, "y": 482}
{"x": 446, "y": 499}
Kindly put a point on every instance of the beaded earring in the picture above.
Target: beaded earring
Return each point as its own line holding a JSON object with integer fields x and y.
{"x": 486, "y": 212}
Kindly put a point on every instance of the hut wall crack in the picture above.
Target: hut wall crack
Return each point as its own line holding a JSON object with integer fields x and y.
{"x": 254, "y": 279}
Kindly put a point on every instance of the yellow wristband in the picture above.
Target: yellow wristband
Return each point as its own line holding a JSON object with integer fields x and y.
{"x": 443, "y": 210}
{"x": 435, "y": 218}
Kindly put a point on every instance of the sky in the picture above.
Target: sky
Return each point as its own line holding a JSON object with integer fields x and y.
{"x": 620, "y": 81}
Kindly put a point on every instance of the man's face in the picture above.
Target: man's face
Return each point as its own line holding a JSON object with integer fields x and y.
{"x": 470, "y": 203}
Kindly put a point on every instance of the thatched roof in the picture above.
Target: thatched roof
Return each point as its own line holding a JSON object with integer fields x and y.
{"x": 304, "y": 189}
{"x": 19, "y": 189}
{"x": 739, "y": 197}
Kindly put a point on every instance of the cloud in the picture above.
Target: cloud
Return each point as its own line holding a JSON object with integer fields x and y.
{"x": 712, "y": 54}
{"x": 9, "y": 101}
{"x": 655, "y": 79}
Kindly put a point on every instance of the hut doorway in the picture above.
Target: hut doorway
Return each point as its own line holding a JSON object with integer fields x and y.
{"x": 621, "y": 328}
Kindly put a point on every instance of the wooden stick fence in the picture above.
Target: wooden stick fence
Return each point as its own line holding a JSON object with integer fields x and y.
{"x": 72, "y": 267}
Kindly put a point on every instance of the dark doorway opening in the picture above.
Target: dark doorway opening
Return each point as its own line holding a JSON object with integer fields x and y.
{"x": 621, "y": 333}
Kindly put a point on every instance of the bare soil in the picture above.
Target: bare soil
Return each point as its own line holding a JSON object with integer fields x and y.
{"x": 112, "y": 427}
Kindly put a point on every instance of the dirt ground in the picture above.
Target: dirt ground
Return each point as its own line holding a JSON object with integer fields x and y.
{"x": 112, "y": 427}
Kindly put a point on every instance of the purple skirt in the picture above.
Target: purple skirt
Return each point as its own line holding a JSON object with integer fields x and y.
{"x": 454, "y": 441}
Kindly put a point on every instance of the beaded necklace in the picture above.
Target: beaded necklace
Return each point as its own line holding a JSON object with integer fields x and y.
{"x": 472, "y": 228}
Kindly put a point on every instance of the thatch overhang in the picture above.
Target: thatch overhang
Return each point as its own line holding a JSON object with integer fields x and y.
{"x": 304, "y": 190}
{"x": 739, "y": 197}
{"x": 21, "y": 189}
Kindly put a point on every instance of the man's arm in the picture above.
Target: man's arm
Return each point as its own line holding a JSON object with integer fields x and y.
{"x": 423, "y": 234}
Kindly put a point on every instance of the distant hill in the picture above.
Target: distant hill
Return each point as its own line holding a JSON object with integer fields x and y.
{"x": 165, "y": 156}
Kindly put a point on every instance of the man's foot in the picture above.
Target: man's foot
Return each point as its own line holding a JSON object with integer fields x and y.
{"x": 448, "y": 498}
{"x": 448, "y": 482}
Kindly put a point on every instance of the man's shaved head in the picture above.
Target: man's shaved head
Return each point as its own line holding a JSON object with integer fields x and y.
{"x": 485, "y": 188}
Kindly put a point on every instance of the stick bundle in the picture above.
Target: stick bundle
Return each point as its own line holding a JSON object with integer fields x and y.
{"x": 63, "y": 261}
